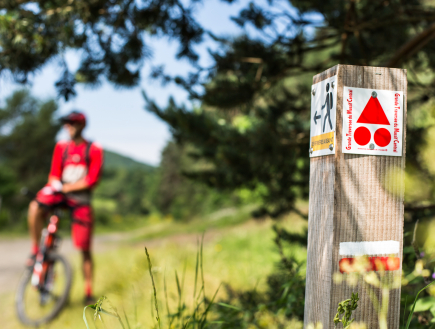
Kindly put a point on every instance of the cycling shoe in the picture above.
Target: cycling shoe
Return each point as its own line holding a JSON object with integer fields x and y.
{"x": 89, "y": 300}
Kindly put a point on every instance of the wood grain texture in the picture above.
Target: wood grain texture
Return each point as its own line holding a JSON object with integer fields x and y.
{"x": 353, "y": 198}
{"x": 320, "y": 233}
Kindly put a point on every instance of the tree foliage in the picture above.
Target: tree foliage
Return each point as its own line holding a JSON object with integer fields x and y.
{"x": 177, "y": 195}
{"x": 27, "y": 137}
{"x": 252, "y": 125}
{"x": 109, "y": 34}
{"x": 264, "y": 79}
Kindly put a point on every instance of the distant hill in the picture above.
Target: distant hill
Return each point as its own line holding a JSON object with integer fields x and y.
{"x": 114, "y": 160}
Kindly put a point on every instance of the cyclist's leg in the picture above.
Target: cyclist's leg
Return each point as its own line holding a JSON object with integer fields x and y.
{"x": 82, "y": 228}
{"x": 37, "y": 214}
{"x": 88, "y": 273}
{"x": 35, "y": 219}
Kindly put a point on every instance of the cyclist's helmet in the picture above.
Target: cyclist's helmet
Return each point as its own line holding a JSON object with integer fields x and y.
{"x": 73, "y": 117}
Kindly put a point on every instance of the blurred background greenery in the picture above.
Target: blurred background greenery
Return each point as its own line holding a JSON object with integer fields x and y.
{"x": 129, "y": 193}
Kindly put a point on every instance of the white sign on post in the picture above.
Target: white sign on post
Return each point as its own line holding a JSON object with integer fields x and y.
{"x": 372, "y": 121}
{"x": 323, "y": 109}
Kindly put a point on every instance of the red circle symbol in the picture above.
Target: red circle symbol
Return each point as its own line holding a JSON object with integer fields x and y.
{"x": 382, "y": 137}
{"x": 362, "y": 136}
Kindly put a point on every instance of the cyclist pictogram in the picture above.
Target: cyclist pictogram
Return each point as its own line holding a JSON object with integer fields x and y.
{"x": 373, "y": 113}
{"x": 372, "y": 121}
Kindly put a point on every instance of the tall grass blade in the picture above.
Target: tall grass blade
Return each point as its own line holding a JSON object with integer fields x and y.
{"x": 202, "y": 266}
{"x": 229, "y": 306}
{"x": 204, "y": 316}
{"x": 84, "y": 316}
{"x": 126, "y": 320}
{"x": 196, "y": 271}
{"x": 170, "y": 320}
{"x": 183, "y": 277}
{"x": 135, "y": 305}
{"x": 98, "y": 312}
{"x": 413, "y": 306}
{"x": 404, "y": 312}
{"x": 195, "y": 284}
{"x": 178, "y": 284}
{"x": 180, "y": 293}
{"x": 181, "y": 304}
{"x": 194, "y": 313}
{"x": 187, "y": 322}
{"x": 154, "y": 287}
{"x": 151, "y": 308}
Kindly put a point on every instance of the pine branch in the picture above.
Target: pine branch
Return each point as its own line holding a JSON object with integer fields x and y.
{"x": 413, "y": 46}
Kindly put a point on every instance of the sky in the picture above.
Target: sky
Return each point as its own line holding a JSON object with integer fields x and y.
{"x": 116, "y": 117}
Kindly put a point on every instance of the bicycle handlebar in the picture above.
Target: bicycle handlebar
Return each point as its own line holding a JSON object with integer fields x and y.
{"x": 26, "y": 192}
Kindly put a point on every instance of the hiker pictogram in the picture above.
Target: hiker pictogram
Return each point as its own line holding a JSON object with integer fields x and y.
{"x": 316, "y": 117}
{"x": 373, "y": 113}
{"x": 323, "y": 112}
{"x": 328, "y": 104}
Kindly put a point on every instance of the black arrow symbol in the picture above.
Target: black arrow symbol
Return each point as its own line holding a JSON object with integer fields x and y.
{"x": 316, "y": 117}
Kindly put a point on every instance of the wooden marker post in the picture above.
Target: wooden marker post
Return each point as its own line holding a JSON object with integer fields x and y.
{"x": 357, "y": 150}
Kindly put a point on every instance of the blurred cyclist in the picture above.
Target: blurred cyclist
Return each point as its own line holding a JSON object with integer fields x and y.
{"x": 75, "y": 170}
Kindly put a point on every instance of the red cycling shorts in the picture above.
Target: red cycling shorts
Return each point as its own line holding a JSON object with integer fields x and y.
{"x": 82, "y": 225}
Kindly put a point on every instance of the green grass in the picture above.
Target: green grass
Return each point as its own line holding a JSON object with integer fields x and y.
{"x": 151, "y": 226}
{"x": 198, "y": 225}
{"x": 240, "y": 254}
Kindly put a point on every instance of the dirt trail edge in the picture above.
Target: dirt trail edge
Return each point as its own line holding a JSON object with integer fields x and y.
{"x": 14, "y": 252}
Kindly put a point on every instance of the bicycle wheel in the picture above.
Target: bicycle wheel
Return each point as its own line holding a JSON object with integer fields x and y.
{"x": 35, "y": 307}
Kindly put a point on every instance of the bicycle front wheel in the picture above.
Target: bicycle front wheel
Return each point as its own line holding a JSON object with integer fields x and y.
{"x": 35, "y": 307}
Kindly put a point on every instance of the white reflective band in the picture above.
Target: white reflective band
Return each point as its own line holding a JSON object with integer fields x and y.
{"x": 369, "y": 248}
{"x": 35, "y": 280}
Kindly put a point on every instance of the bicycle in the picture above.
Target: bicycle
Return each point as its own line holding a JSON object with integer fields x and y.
{"x": 44, "y": 288}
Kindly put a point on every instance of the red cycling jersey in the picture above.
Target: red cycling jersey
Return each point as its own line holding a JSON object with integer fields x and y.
{"x": 72, "y": 166}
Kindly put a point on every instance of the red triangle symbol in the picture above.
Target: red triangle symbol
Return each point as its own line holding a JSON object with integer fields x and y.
{"x": 373, "y": 113}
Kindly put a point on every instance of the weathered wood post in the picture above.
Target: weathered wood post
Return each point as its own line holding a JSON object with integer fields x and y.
{"x": 357, "y": 150}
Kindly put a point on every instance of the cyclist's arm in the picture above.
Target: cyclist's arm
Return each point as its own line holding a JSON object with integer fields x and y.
{"x": 56, "y": 163}
{"x": 53, "y": 178}
{"x": 75, "y": 187}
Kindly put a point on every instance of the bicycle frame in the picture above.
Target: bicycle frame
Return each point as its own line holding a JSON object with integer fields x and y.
{"x": 48, "y": 244}
{"x": 39, "y": 283}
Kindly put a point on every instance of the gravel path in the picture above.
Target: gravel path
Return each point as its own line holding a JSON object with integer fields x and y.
{"x": 14, "y": 252}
